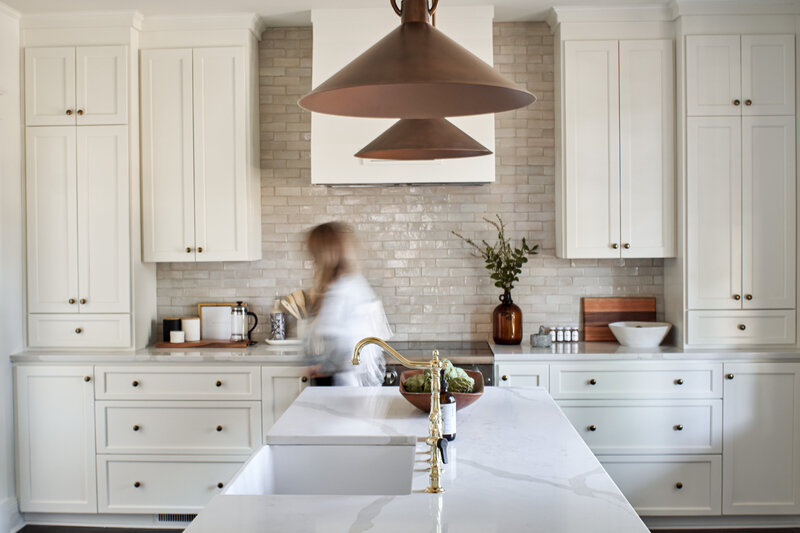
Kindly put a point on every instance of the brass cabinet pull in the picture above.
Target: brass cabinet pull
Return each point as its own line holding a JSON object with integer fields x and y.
{"x": 188, "y": 250}
{"x": 615, "y": 245}
{"x": 736, "y": 102}
{"x": 78, "y": 331}
{"x": 69, "y": 112}
{"x": 504, "y": 378}
{"x": 679, "y": 485}
{"x": 83, "y": 300}
{"x": 748, "y": 297}
{"x": 679, "y": 381}
{"x": 679, "y": 427}
{"x": 748, "y": 102}
{"x": 592, "y": 381}
{"x": 199, "y": 249}
{"x": 729, "y": 376}
{"x": 80, "y": 111}
{"x": 137, "y": 484}
{"x": 592, "y": 428}
{"x": 135, "y": 383}
{"x": 136, "y": 428}
{"x": 304, "y": 379}
{"x": 219, "y": 428}
{"x": 71, "y": 300}
{"x": 627, "y": 246}
{"x": 219, "y": 384}
{"x": 737, "y": 297}
{"x": 742, "y": 327}
{"x": 220, "y": 485}
{"x": 87, "y": 379}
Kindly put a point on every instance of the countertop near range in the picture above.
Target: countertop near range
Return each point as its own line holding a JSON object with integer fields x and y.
{"x": 612, "y": 351}
{"x": 516, "y": 465}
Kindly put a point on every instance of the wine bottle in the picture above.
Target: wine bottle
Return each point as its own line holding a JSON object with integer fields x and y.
{"x": 447, "y": 403}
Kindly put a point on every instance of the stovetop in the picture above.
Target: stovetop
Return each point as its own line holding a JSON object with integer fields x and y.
{"x": 447, "y": 349}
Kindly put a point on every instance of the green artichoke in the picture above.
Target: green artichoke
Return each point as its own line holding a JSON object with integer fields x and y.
{"x": 461, "y": 384}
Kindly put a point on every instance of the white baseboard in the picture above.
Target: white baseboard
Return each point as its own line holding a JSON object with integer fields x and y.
{"x": 10, "y": 519}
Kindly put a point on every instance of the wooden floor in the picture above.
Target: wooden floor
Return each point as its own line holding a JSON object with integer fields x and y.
{"x": 62, "y": 529}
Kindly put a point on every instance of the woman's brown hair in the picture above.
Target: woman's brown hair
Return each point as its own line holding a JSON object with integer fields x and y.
{"x": 332, "y": 248}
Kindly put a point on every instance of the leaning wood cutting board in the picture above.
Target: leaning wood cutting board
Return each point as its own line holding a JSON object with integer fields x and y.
{"x": 598, "y": 313}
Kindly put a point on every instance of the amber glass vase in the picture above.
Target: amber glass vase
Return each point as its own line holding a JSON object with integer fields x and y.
{"x": 507, "y": 321}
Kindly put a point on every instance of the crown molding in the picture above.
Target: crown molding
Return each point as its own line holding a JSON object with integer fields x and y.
{"x": 572, "y": 14}
{"x": 5, "y": 9}
{"x": 83, "y": 19}
{"x": 219, "y": 21}
{"x": 682, "y": 8}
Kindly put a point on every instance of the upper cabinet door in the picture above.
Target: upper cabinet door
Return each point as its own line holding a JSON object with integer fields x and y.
{"x": 768, "y": 213}
{"x": 591, "y": 161}
{"x": 768, "y": 74}
{"x": 713, "y": 75}
{"x": 102, "y": 90}
{"x": 647, "y": 176}
{"x": 52, "y": 220}
{"x": 220, "y": 154}
{"x": 714, "y": 212}
{"x": 103, "y": 220}
{"x": 167, "y": 155}
{"x": 50, "y": 86}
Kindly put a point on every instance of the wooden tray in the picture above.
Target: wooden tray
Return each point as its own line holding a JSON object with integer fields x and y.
{"x": 208, "y": 343}
{"x": 598, "y": 313}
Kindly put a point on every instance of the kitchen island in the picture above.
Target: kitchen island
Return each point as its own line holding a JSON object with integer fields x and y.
{"x": 517, "y": 464}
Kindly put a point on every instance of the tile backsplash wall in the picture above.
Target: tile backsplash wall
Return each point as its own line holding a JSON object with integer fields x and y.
{"x": 431, "y": 285}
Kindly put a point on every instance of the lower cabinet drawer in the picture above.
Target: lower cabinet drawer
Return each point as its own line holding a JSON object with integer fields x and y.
{"x": 79, "y": 331}
{"x": 683, "y": 485}
{"x": 743, "y": 327}
{"x": 229, "y": 428}
{"x": 647, "y": 426}
{"x": 161, "y": 484}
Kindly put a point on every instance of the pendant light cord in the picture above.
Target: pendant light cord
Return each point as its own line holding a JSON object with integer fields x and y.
{"x": 431, "y": 9}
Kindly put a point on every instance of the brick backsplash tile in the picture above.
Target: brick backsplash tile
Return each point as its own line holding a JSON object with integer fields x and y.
{"x": 430, "y": 283}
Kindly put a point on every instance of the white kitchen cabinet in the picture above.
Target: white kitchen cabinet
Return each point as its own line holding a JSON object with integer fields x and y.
{"x": 616, "y": 198}
{"x": 761, "y": 439}
{"x": 55, "y": 439}
{"x": 85, "y": 85}
{"x": 732, "y": 75}
{"x": 78, "y": 224}
{"x": 281, "y": 385}
{"x": 742, "y": 327}
{"x": 200, "y": 185}
{"x": 522, "y": 375}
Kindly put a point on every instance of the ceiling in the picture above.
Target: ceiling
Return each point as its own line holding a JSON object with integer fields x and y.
{"x": 296, "y": 12}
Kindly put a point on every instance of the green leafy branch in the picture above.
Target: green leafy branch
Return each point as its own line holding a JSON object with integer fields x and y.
{"x": 502, "y": 260}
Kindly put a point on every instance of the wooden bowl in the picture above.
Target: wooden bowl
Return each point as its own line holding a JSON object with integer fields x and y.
{"x": 422, "y": 400}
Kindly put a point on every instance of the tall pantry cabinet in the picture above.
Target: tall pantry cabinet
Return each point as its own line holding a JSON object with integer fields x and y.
{"x": 740, "y": 190}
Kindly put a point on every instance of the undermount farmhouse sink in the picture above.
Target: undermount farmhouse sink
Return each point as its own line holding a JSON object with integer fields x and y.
{"x": 326, "y": 469}
{"x": 640, "y": 334}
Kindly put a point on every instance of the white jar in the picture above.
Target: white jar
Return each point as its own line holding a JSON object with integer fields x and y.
{"x": 574, "y": 334}
{"x": 560, "y": 334}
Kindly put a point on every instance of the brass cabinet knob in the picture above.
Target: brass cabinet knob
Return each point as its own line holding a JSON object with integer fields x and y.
{"x": 80, "y": 111}
{"x": 679, "y": 485}
{"x": 135, "y": 383}
{"x": 87, "y": 379}
{"x": 592, "y": 428}
{"x": 137, "y": 484}
{"x": 736, "y": 102}
{"x": 304, "y": 379}
{"x": 679, "y": 381}
{"x": 78, "y": 330}
{"x": 592, "y": 381}
{"x": 71, "y": 300}
{"x": 188, "y": 250}
{"x": 199, "y": 249}
{"x": 679, "y": 427}
{"x": 219, "y": 384}
{"x": 615, "y": 246}
{"x": 748, "y": 297}
{"x": 737, "y": 297}
{"x": 627, "y": 246}
{"x": 136, "y": 428}
{"x": 220, "y": 485}
{"x": 742, "y": 327}
{"x": 83, "y": 300}
{"x": 504, "y": 377}
{"x": 69, "y": 112}
{"x": 219, "y": 428}
{"x": 748, "y": 102}
{"x": 729, "y": 376}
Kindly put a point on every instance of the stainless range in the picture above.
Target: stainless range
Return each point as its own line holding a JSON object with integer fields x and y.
{"x": 469, "y": 355}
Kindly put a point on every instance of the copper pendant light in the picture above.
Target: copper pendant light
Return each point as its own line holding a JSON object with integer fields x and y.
{"x": 416, "y": 71}
{"x": 416, "y": 139}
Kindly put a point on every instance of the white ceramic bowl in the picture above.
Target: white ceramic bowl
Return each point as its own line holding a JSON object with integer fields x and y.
{"x": 640, "y": 334}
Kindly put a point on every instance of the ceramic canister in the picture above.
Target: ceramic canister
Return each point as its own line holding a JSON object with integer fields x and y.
{"x": 171, "y": 324}
{"x": 277, "y": 326}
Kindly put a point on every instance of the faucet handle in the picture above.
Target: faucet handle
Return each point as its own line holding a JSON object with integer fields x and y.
{"x": 442, "y": 445}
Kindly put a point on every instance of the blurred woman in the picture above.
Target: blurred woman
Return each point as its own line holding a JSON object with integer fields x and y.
{"x": 344, "y": 311}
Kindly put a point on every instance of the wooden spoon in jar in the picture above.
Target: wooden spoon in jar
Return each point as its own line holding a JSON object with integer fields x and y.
{"x": 300, "y": 301}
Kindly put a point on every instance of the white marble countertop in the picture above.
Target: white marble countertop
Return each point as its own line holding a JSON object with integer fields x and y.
{"x": 612, "y": 351}
{"x": 517, "y": 464}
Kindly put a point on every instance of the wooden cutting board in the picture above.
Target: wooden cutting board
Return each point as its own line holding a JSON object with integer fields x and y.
{"x": 598, "y": 313}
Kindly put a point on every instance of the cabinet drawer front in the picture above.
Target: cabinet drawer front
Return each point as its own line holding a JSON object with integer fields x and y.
{"x": 633, "y": 380}
{"x": 79, "y": 331}
{"x": 178, "y": 427}
{"x": 647, "y": 426}
{"x": 522, "y": 375}
{"x": 177, "y": 383}
{"x": 725, "y": 327}
{"x": 165, "y": 484}
{"x": 668, "y": 485}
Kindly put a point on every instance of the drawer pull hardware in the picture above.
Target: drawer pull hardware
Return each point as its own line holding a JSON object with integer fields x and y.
{"x": 736, "y": 102}
{"x": 737, "y": 297}
{"x": 592, "y": 428}
{"x": 69, "y": 112}
{"x": 219, "y": 428}
{"x": 748, "y": 297}
{"x": 220, "y": 485}
{"x": 219, "y": 384}
{"x": 304, "y": 379}
{"x": 742, "y": 327}
{"x": 137, "y": 484}
{"x": 615, "y": 246}
{"x": 80, "y": 111}
{"x": 504, "y": 377}
{"x": 679, "y": 485}
{"x": 78, "y": 331}
{"x": 199, "y": 249}
{"x": 748, "y": 102}
{"x": 136, "y": 428}
{"x": 592, "y": 381}
{"x": 135, "y": 383}
{"x": 679, "y": 427}
{"x": 627, "y": 246}
{"x": 188, "y": 250}
{"x": 87, "y": 379}
{"x": 729, "y": 376}
{"x": 83, "y": 300}
{"x": 679, "y": 381}
{"x": 71, "y": 300}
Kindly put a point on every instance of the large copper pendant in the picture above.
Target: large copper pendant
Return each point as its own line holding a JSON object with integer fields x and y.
{"x": 416, "y": 71}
